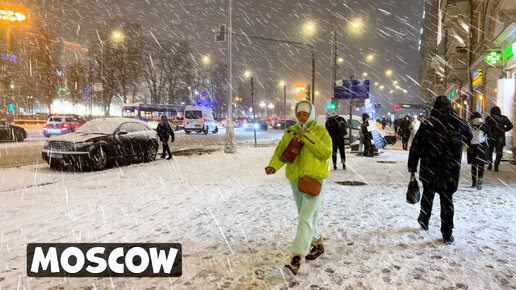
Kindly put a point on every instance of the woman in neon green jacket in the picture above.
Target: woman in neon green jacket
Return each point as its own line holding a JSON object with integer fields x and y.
{"x": 313, "y": 161}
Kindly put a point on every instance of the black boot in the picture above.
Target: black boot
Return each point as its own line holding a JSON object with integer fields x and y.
{"x": 169, "y": 157}
{"x": 479, "y": 184}
{"x": 448, "y": 239}
{"x": 474, "y": 183}
{"x": 163, "y": 156}
{"x": 295, "y": 264}
{"x": 334, "y": 166}
{"x": 343, "y": 166}
{"x": 490, "y": 166}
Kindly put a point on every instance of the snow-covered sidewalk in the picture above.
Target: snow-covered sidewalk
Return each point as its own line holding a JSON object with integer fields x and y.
{"x": 236, "y": 224}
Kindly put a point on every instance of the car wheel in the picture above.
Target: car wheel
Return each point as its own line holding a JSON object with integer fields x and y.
{"x": 216, "y": 130}
{"x": 187, "y": 132}
{"x": 55, "y": 164}
{"x": 18, "y": 137}
{"x": 98, "y": 158}
{"x": 150, "y": 152}
{"x": 206, "y": 130}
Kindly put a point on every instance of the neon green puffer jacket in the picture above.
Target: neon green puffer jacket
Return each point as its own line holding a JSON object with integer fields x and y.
{"x": 314, "y": 158}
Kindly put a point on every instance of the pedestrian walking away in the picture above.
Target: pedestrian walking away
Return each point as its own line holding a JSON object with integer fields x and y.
{"x": 404, "y": 131}
{"x": 367, "y": 135}
{"x": 165, "y": 132}
{"x": 478, "y": 149}
{"x": 313, "y": 160}
{"x": 437, "y": 148}
{"x": 498, "y": 125}
{"x": 336, "y": 126}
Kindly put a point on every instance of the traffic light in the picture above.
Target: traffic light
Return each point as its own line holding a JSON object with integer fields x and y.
{"x": 11, "y": 107}
{"x": 396, "y": 107}
{"x": 331, "y": 105}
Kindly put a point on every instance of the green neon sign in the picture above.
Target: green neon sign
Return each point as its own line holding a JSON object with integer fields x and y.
{"x": 493, "y": 57}
{"x": 509, "y": 51}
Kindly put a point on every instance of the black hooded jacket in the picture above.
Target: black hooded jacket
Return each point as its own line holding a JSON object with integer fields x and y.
{"x": 438, "y": 145}
{"x": 498, "y": 125}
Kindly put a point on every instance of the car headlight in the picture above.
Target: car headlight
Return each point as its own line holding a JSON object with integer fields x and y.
{"x": 82, "y": 144}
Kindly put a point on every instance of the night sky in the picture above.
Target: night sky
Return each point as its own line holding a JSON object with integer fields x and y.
{"x": 391, "y": 31}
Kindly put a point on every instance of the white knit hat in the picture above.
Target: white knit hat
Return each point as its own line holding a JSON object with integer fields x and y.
{"x": 304, "y": 107}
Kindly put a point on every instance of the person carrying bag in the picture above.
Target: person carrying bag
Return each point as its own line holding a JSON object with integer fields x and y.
{"x": 306, "y": 172}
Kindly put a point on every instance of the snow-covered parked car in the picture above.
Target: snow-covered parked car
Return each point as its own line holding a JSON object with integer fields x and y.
{"x": 11, "y": 132}
{"x": 100, "y": 141}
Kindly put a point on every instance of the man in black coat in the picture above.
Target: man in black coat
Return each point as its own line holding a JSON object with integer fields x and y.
{"x": 336, "y": 126}
{"x": 437, "y": 146}
{"x": 404, "y": 131}
{"x": 498, "y": 125}
{"x": 368, "y": 136}
{"x": 165, "y": 131}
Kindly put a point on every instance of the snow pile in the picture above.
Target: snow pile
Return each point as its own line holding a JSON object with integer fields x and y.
{"x": 236, "y": 224}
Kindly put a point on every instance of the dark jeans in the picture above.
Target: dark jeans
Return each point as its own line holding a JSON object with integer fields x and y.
{"x": 166, "y": 149}
{"x": 477, "y": 172}
{"x": 368, "y": 147}
{"x": 499, "y": 150}
{"x": 446, "y": 209}
{"x": 339, "y": 147}
{"x": 404, "y": 140}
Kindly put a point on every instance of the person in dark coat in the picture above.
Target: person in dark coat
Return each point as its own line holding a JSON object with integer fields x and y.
{"x": 384, "y": 122}
{"x": 498, "y": 125}
{"x": 404, "y": 131}
{"x": 368, "y": 136}
{"x": 478, "y": 149}
{"x": 336, "y": 126}
{"x": 437, "y": 147}
{"x": 165, "y": 131}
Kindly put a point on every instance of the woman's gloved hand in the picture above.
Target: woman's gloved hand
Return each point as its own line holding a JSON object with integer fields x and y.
{"x": 269, "y": 170}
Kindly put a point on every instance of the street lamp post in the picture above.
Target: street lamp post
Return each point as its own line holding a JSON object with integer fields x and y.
{"x": 284, "y": 104}
{"x": 252, "y": 106}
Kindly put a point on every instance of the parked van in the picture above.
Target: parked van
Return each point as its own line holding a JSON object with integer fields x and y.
{"x": 199, "y": 119}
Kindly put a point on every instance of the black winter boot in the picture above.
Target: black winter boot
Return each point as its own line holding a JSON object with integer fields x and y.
{"x": 479, "y": 184}
{"x": 316, "y": 251}
{"x": 448, "y": 239}
{"x": 295, "y": 264}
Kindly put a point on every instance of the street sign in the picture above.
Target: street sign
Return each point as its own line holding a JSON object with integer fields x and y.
{"x": 221, "y": 36}
{"x": 85, "y": 97}
{"x": 354, "y": 89}
{"x": 85, "y": 91}
{"x": 9, "y": 93}
{"x": 97, "y": 87}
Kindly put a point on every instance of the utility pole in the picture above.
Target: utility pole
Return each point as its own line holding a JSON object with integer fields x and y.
{"x": 229, "y": 145}
{"x": 285, "y": 105}
{"x": 252, "y": 106}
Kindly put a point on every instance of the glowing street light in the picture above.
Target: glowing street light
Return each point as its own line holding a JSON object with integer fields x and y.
{"x": 391, "y": 91}
{"x": 355, "y": 25}
{"x": 370, "y": 57}
{"x": 309, "y": 28}
{"x": 340, "y": 59}
{"x": 247, "y": 74}
{"x": 364, "y": 74}
{"x": 405, "y": 91}
{"x": 381, "y": 88}
{"x": 300, "y": 88}
{"x": 10, "y": 15}
{"x": 206, "y": 59}
{"x": 117, "y": 35}
{"x": 388, "y": 73}
{"x": 375, "y": 83}
{"x": 316, "y": 93}
{"x": 282, "y": 83}
{"x": 395, "y": 82}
